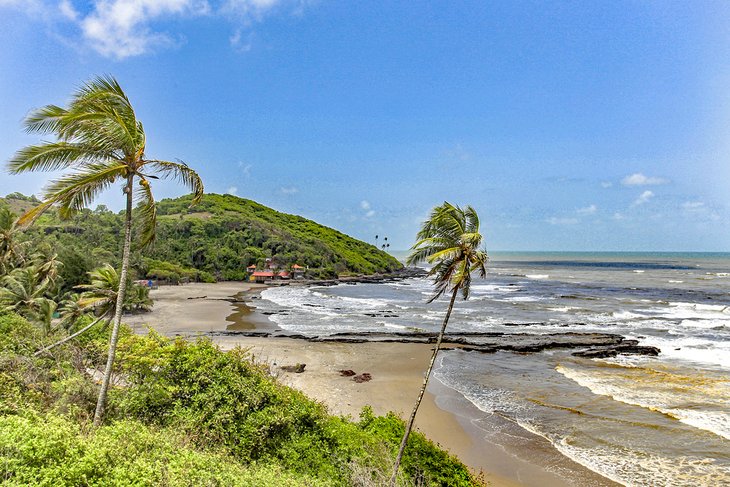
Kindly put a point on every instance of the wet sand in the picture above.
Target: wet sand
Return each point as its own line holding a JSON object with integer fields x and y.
{"x": 199, "y": 308}
{"x": 397, "y": 374}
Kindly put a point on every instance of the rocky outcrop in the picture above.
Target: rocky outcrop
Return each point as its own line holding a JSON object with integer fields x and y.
{"x": 626, "y": 347}
{"x": 398, "y": 275}
{"x": 589, "y": 345}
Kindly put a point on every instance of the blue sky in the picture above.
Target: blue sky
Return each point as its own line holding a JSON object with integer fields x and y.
{"x": 568, "y": 125}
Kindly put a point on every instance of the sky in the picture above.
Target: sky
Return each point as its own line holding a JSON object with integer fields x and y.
{"x": 576, "y": 125}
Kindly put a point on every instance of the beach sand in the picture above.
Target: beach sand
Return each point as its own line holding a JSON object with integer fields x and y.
{"x": 397, "y": 371}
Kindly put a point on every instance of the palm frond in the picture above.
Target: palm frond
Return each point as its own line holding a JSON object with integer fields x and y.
{"x": 77, "y": 190}
{"x": 147, "y": 213}
{"x": 52, "y": 156}
{"x": 45, "y": 120}
{"x": 183, "y": 173}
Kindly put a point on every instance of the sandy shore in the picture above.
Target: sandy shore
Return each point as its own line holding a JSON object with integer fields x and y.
{"x": 397, "y": 374}
{"x": 198, "y": 308}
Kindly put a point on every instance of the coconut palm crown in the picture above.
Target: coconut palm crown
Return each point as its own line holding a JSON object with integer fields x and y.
{"x": 100, "y": 139}
{"x": 450, "y": 240}
{"x": 100, "y": 142}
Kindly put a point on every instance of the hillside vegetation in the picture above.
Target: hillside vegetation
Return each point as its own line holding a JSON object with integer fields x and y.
{"x": 226, "y": 227}
{"x": 215, "y": 240}
{"x": 184, "y": 414}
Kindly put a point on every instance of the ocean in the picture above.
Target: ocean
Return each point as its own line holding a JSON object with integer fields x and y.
{"x": 635, "y": 420}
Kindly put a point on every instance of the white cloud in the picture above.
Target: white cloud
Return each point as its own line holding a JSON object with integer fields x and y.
{"x": 699, "y": 211}
{"x": 249, "y": 9}
{"x": 240, "y": 41}
{"x": 367, "y": 208}
{"x": 245, "y": 168}
{"x": 67, "y": 10}
{"x": 232, "y": 190}
{"x": 693, "y": 205}
{"x": 638, "y": 179}
{"x": 643, "y": 198}
{"x": 121, "y": 28}
{"x": 606, "y": 184}
{"x": 618, "y": 216}
{"x": 289, "y": 190}
{"x": 562, "y": 221}
{"x": 588, "y": 210}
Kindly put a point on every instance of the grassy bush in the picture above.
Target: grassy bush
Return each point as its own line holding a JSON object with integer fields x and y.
{"x": 51, "y": 450}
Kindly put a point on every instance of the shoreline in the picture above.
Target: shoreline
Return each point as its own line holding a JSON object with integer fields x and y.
{"x": 445, "y": 416}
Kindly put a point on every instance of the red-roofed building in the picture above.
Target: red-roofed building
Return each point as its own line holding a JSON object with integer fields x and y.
{"x": 297, "y": 271}
{"x": 262, "y": 276}
{"x": 284, "y": 275}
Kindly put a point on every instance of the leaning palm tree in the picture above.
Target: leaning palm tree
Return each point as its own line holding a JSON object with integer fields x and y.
{"x": 101, "y": 142}
{"x": 99, "y": 297}
{"x": 450, "y": 241}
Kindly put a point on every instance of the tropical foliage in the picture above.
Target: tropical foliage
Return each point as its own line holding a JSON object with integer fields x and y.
{"x": 208, "y": 417}
{"x": 216, "y": 240}
{"x": 99, "y": 142}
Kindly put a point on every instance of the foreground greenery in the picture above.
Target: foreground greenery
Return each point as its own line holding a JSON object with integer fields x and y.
{"x": 184, "y": 414}
{"x": 216, "y": 240}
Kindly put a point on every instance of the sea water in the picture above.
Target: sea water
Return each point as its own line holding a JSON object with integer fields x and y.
{"x": 635, "y": 420}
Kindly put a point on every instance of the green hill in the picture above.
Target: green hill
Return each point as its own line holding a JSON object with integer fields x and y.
{"x": 217, "y": 239}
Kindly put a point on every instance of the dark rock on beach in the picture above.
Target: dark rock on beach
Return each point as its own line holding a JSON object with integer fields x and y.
{"x": 297, "y": 369}
{"x": 364, "y": 377}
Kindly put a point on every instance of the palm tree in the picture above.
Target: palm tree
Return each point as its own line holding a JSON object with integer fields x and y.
{"x": 99, "y": 296}
{"x": 24, "y": 291}
{"x": 450, "y": 240}
{"x": 101, "y": 142}
{"x": 71, "y": 310}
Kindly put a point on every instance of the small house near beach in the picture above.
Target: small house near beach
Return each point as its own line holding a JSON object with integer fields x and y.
{"x": 272, "y": 271}
{"x": 262, "y": 276}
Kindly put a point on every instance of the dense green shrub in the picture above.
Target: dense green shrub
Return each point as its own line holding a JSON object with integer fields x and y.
{"x": 184, "y": 414}
{"x": 51, "y": 450}
{"x": 421, "y": 459}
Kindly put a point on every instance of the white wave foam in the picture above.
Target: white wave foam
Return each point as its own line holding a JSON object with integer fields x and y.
{"x": 691, "y": 349}
{"x": 523, "y": 299}
{"x": 701, "y": 405}
{"x": 625, "y": 315}
{"x": 537, "y": 276}
{"x": 630, "y": 469}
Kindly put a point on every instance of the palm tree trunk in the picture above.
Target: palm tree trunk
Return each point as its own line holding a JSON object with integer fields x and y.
{"x": 101, "y": 403}
{"x": 409, "y": 426}
{"x": 70, "y": 337}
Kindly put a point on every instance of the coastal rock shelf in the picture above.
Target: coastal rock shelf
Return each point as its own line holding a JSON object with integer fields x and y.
{"x": 591, "y": 345}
